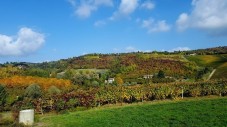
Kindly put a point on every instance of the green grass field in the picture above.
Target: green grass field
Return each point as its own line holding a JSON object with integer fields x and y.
{"x": 190, "y": 112}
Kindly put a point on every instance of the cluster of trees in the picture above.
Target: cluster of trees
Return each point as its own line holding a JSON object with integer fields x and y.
{"x": 202, "y": 72}
{"x": 7, "y": 71}
{"x": 86, "y": 77}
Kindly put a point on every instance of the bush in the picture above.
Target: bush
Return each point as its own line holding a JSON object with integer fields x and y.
{"x": 53, "y": 90}
{"x": 72, "y": 103}
{"x": 6, "y": 122}
{"x": 59, "y": 105}
{"x": 195, "y": 92}
{"x": 33, "y": 91}
{"x": 95, "y": 83}
{"x": 3, "y": 96}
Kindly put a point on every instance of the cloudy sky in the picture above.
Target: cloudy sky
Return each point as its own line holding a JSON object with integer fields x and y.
{"x": 46, "y": 30}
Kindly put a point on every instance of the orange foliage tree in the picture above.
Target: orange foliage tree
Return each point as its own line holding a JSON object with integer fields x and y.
{"x": 45, "y": 83}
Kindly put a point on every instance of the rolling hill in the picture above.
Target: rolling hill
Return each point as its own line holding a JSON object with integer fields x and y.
{"x": 132, "y": 66}
{"x": 218, "y": 62}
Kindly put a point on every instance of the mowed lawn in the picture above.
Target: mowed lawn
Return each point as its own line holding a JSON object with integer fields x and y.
{"x": 191, "y": 112}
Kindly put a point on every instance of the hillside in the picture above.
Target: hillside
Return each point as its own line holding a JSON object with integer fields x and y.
{"x": 209, "y": 51}
{"x": 218, "y": 62}
{"x": 221, "y": 72}
{"x": 131, "y": 67}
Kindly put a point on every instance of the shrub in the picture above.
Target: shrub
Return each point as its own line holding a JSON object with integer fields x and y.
{"x": 95, "y": 83}
{"x": 53, "y": 90}
{"x": 72, "y": 103}
{"x": 33, "y": 91}
{"x": 195, "y": 92}
{"x": 59, "y": 105}
{"x": 3, "y": 95}
{"x": 5, "y": 121}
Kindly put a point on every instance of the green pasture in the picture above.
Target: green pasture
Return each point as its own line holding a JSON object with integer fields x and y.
{"x": 202, "y": 112}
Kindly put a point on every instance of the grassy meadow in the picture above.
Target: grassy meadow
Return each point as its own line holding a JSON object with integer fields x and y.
{"x": 205, "y": 112}
{"x": 208, "y": 60}
{"x": 221, "y": 71}
{"x": 218, "y": 62}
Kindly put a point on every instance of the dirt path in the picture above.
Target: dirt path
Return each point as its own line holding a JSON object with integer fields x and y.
{"x": 211, "y": 74}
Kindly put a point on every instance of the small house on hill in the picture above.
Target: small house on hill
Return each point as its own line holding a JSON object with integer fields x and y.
{"x": 192, "y": 54}
{"x": 148, "y": 76}
{"x": 109, "y": 81}
{"x": 21, "y": 66}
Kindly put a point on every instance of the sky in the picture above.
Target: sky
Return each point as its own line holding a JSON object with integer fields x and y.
{"x": 49, "y": 30}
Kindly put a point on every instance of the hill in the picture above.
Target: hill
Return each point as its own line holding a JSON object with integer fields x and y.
{"x": 131, "y": 67}
{"x": 218, "y": 62}
{"x": 209, "y": 51}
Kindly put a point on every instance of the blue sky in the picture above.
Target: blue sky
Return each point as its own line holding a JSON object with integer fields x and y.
{"x": 46, "y": 30}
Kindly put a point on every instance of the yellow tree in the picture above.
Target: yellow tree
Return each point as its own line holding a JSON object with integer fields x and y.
{"x": 120, "y": 82}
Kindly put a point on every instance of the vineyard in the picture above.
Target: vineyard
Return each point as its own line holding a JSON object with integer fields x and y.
{"x": 93, "y": 97}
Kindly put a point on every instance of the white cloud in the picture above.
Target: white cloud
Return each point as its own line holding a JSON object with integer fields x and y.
{"x": 125, "y": 50}
{"x": 116, "y": 50}
{"x": 148, "y": 5}
{"x": 27, "y": 41}
{"x": 180, "y": 49}
{"x": 131, "y": 49}
{"x": 85, "y": 7}
{"x": 182, "y": 22}
{"x": 85, "y": 10}
{"x": 103, "y": 2}
{"x": 207, "y": 15}
{"x": 126, "y": 8}
{"x": 155, "y": 26}
{"x": 72, "y": 2}
{"x": 100, "y": 23}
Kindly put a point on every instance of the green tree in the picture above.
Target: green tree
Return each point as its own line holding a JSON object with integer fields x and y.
{"x": 53, "y": 90}
{"x": 120, "y": 82}
{"x": 68, "y": 74}
{"x": 95, "y": 83}
{"x": 3, "y": 95}
{"x": 161, "y": 74}
{"x": 33, "y": 91}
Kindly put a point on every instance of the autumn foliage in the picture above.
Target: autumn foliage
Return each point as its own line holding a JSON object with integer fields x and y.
{"x": 44, "y": 83}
